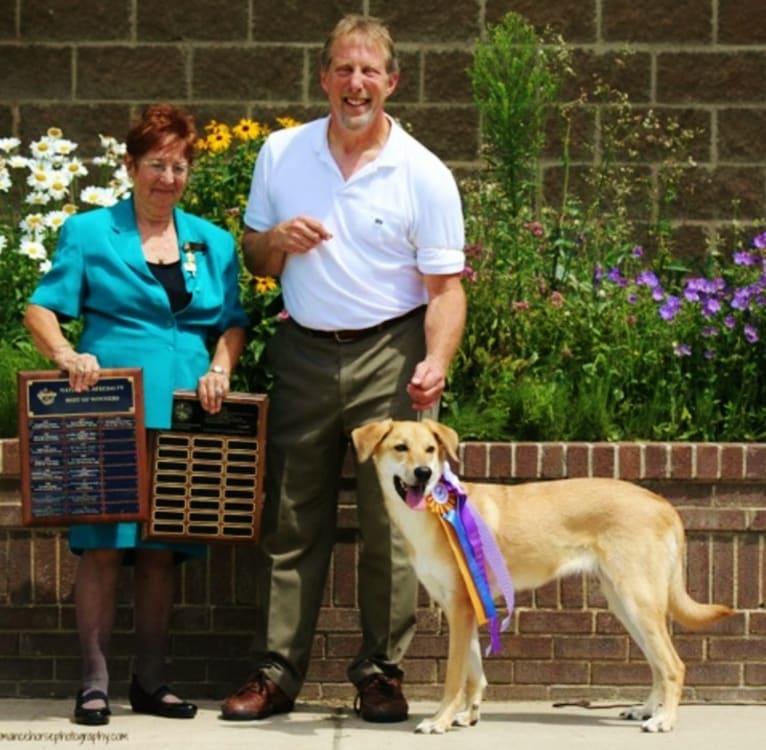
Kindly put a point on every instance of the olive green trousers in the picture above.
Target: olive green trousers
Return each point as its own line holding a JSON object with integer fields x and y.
{"x": 323, "y": 389}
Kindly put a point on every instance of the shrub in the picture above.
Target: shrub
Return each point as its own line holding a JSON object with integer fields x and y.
{"x": 582, "y": 325}
{"x": 218, "y": 190}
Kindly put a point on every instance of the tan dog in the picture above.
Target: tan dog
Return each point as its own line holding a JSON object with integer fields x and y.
{"x": 630, "y": 538}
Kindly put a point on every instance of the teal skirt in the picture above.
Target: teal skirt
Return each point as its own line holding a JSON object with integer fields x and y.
{"x": 126, "y": 536}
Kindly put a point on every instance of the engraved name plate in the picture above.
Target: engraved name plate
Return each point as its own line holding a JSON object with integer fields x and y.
{"x": 207, "y": 471}
{"x": 83, "y": 455}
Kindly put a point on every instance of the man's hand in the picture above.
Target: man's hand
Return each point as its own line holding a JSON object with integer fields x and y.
{"x": 299, "y": 235}
{"x": 426, "y": 385}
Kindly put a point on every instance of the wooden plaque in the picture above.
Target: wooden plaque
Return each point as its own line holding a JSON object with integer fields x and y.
{"x": 206, "y": 471}
{"x": 83, "y": 455}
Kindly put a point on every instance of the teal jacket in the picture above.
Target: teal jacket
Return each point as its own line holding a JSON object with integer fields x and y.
{"x": 99, "y": 274}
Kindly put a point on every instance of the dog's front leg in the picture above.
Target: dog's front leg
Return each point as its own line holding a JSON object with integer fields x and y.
{"x": 475, "y": 685}
{"x": 461, "y": 622}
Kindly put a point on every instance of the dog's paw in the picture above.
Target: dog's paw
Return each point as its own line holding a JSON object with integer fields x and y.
{"x": 430, "y": 726}
{"x": 467, "y": 718}
{"x": 659, "y": 723}
{"x": 636, "y": 713}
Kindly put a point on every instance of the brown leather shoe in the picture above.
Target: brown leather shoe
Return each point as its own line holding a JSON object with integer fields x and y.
{"x": 258, "y": 698}
{"x": 380, "y": 698}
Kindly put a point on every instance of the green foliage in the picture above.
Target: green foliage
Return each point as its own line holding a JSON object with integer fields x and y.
{"x": 15, "y": 356}
{"x": 40, "y": 189}
{"x": 218, "y": 189}
{"x": 582, "y": 325}
{"x": 515, "y": 80}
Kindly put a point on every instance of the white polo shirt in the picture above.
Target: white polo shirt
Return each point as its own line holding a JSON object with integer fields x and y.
{"x": 397, "y": 218}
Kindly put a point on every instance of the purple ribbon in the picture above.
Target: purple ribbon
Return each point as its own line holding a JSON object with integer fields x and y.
{"x": 484, "y": 554}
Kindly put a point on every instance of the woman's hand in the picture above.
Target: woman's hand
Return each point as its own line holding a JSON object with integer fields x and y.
{"x": 211, "y": 389}
{"x": 83, "y": 368}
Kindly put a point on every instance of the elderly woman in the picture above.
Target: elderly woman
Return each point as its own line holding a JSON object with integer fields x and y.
{"x": 153, "y": 286}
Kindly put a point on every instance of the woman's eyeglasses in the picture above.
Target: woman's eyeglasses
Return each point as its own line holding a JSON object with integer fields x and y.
{"x": 159, "y": 167}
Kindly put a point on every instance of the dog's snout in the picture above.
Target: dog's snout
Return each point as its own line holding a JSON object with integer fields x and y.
{"x": 423, "y": 473}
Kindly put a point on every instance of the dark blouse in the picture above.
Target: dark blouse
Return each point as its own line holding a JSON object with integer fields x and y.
{"x": 171, "y": 277}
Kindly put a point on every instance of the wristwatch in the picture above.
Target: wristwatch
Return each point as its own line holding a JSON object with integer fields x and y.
{"x": 218, "y": 370}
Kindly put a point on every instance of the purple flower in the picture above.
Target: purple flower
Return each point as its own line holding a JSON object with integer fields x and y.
{"x": 614, "y": 275}
{"x": 691, "y": 294}
{"x": 648, "y": 278}
{"x": 598, "y": 275}
{"x": 682, "y": 350}
{"x": 751, "y": 333}
{"x": 710, "y": 307}
{"x": 741, "y": 298}
{"x": 701, "y": 286}
{"x": 729, "y": 321}
{"x": 657, "y": 294}
{"x": 637, "y": 252}
{"x": 671, "y": 307}
{"x": 709, "y": 331}
{"x": 744, "y": 258}
{"x": 760, "y": 241}
{"x": 709, "y": 354}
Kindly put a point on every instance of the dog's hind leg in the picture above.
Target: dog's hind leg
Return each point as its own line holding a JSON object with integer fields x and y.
{"x": 475, "y": 685}
{"x": 642, "y": 611}
{"x": 461, "y": 622}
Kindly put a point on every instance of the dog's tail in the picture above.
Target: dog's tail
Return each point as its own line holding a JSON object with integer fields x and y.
{"x": 686, "y": 611}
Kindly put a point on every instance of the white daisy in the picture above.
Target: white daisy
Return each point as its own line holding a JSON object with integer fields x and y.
{"x": 8, "y": 144}
{"x": 32, "y": 224}
{"x": 40, "y": 176}
{"x": 75, "y": 168}
{"x": 55, "y": 219}
{"x": 98, "y": 196}
{"x": 38, "y": 198}
{"x": 42, "y": 149}
{"x": 59, "y": 184}
{"x": 33, "y": 249}
{"x": 63, "y": 147}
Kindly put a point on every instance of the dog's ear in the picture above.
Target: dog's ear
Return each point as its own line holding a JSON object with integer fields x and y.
{"x": 445, "y": 435}
{"x": 367, "y": 437}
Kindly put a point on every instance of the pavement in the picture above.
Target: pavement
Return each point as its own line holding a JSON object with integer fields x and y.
{"x": 42, "y": 724}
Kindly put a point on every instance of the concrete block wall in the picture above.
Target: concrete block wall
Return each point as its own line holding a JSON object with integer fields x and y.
{"x": 88, "y": 65}
{"x": 563, "y": 645}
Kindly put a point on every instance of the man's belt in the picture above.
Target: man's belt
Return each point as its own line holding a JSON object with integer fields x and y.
{"x": 354, "y": 334}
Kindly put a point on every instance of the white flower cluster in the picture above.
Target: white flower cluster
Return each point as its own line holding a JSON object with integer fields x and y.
{"x": 50, "y": 175}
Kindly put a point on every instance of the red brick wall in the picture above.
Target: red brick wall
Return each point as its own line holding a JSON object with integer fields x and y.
{"x": 86, "y": 65}
{"x": 563, "y": 644}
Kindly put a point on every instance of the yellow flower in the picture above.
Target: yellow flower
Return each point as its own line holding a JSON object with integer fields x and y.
{"x": 55, "y": 132}
{"x": 248, "y": 130}
{"x": 264, "y": 284}
{"x": 219, "y": 136}
{"x": 288, "y": 122}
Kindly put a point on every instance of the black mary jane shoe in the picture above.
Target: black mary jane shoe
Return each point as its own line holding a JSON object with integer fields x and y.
{"x": 91, "y": 717}
{"x": 151, "y": 703}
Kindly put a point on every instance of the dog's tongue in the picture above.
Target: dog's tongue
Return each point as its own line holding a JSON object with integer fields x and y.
{"x": 416, "y": 499}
